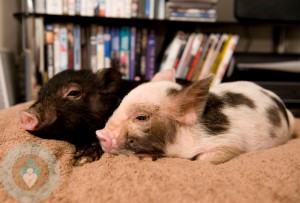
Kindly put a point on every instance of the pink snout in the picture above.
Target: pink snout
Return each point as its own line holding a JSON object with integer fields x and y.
{"x": 105, "y": 139}
{"x": 28, "y": 121}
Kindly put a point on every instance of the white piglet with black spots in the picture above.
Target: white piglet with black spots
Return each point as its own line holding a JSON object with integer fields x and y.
{"x": 163, "y": 118}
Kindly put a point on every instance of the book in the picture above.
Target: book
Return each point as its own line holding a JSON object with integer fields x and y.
{"x": 63, "y": 46}
{"x": 201, "y": 61}
{"x": 115, "y": 47}
{"x": 70, "y": 39}
{"x": 102, "y": 8}
{"x": 230, "y": 47}
{"x": 225, "y": 38}
{"x": 65, "y": 7}
{"x": 54, "y": 7}
{"x": 209, "y": 57}
{"x": 161, "y": 9}
{"x": 124, "y": 51}
{"x": 99, "y": 48}
{"x": 138, "y": 47}
{"x": 107, "y": 47}
{"x": 150, "y": 55}
{"x": 93, "y": 47}
{"x": 133, "y": 37}
{"x": 39, "y": 49}
{"x": 77, "y": 7}
{"x": 143, "y": 53}
{"x": 71, "y": 7}
{"x": 8, "y": 79}
{"x": 77, "y": 47}
{"x": 202, "y": 38}
{"x": 49, "y": 50}
{"x": 56, "y": 47}
{"x": 40, "y": 6}
{"x": 185, "y": 57}
{"x": 135, "y": 8}
{"x": 172, "y": 50}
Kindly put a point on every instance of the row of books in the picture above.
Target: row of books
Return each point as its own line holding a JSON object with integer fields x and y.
{"x": 152, "y": 9}
{"x": 196, "y": 55}
{"x": 95, "y": 47}
{"x": 192, "y": 10}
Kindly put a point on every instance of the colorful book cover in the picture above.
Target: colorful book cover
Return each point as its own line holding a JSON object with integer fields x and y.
{"x": 102, "y": 7}
{"x": 77, "y": 47}
{"x": 70, "y": 38}
{"x": 150, "y": 59}
{"x": 196, "y": 58}
{"x": 133, "y": 35}
{"x": 71, "y": 7}
{"x": 63, "y": 40}
{"x": 100, "y": 48}
{"x": 229, "y": 49}
{"x": 93, "y": 48}
{"x": 143, "y": 53}
{"x": 115, "y": 47}
{"x": 49, "y": 52}
{"x": 124, "y": 51}
{"x": 77, "y": 7}
{"x": 56, "y": 47}
{"x": 185, "y": 56}
{"x": 138, "y": 46}
{"x": 107, "y": 47}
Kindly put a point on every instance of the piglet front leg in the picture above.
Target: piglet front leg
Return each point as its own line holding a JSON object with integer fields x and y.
{"x": 219, "y": 154}
{"x": 87, "y": 154}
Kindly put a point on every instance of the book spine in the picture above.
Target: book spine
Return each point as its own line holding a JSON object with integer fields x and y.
{"x": 133, "y": 35}
{"x": 40, "y": 6}
{"x": 195, "y": 60}
{"x": 172, "y": 51}
{"x": 151, "y": 46}
{"x": 56, "y": 47}
{"x": 143, "y": 53}
{"x": 93, "y": 48}
{"x": 141, "y": 9}
{"x": 138, "y": 46}
{"x": 83, "y": 5}
{"x": 107, "y": 47}
{"x": 209, "y": 57}
{"x": 77, "y": 7}
{"x": 220, "y": 50}
{"x": 124, "y": 51}
{"x": 226, "y": 59}
{"x": 65, "y": 7}
{"x": 49, "y": 40}
{"x": 135, "y": 8}
{"x": 77, "y": 47}
{"x": 71, "y": 7}
{"x": 201, "y": 61}
{"x": 115, "y": 50}
{"x": 185, "y": 56}
{"x": 102, "y": 8}
{"x": 54, "y": 7}
{"x": 70, "y": 38}
{"x": 161, "y": 9}
{"x": 63, "y": 48}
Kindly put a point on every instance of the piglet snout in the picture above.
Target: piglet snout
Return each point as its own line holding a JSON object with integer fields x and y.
{"x": 28, "y": 121}
{"x": 105, "y": 140}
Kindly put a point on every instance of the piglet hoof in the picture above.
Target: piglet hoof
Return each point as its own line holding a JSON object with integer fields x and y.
{"x": 83, "y": 160}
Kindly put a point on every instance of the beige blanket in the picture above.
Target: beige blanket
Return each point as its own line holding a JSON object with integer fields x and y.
{"x": 271, "y": 175}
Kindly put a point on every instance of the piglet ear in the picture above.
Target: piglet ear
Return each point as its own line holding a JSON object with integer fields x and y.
{"x": 191, "y": 101}
{"x": 166, "y": 75}
{"x": 110, "y": 80}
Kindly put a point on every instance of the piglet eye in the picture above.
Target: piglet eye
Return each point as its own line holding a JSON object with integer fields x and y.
{"x": 74, "y": 94}
{"x": 142, "y": 117}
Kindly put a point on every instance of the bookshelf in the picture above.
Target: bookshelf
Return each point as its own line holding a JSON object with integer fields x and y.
{"x": 165, "y": 31}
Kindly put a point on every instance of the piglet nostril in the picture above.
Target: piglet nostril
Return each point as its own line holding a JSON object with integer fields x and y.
{"x": 105, "y": 141}
{"x": 28, "y": 121}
